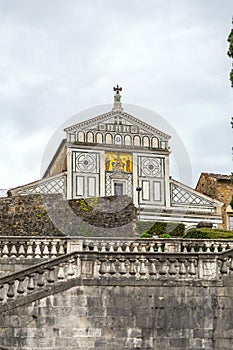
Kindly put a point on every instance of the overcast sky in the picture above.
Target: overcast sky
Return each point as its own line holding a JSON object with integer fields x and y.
{"x": 60, "y": 57}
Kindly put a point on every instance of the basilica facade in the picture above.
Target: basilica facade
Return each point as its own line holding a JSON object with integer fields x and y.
{"x": 117, "y": 154}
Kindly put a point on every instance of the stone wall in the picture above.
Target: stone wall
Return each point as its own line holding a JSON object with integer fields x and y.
{"x": 161, "y": 316}
{"x": 59, "y": 161}
{"x": 219, "y": 188}
{"x": 51, "y": 215}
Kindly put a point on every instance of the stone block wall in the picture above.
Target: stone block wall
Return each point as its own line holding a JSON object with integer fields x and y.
{"x": 219, "y": 188}
{"x": 51, "y": 215}
{"x": 162, "y": 316}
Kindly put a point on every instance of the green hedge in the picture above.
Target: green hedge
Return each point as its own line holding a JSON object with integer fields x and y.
{"x": 164, "y": 229}
{"x": 172, "y": 228}
{"x": 206, "y": 233}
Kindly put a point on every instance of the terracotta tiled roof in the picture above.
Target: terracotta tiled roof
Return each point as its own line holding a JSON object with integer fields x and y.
{"x": 218, "y": 176}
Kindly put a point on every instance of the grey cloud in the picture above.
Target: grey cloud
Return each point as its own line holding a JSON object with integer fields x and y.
{"x": 59, "y": 57}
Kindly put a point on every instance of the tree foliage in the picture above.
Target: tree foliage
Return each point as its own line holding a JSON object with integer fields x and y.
{"x": 230, "y": 53}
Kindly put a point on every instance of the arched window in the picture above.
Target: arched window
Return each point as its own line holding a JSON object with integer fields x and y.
{"x": 90, "y": 137}
{"x": 146, "y": 141}
{"x": 155, "y": 142}
{"x": 108, "y": 139}
{"x": 99, "y": 138}
{"x": 137, "y": 141}
{"x": 127, "y": 140}
{"x": 80, "y": 137}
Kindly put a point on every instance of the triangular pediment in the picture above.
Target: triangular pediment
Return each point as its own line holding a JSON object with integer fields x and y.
{"x": 117, "y": 121}
{"x": 182, "y": 195}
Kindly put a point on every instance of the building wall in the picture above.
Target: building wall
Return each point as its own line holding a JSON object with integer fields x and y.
{"x": 221, "y": 190}
{"x": 171, "y": 316}
{"x": 59, "y": 161}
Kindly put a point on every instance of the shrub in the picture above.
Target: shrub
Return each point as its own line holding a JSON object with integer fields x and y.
{"x": 165, "y": 235}
{"x": 171, "y": 228}
{"x": 146, "y": 235}
{"x": 205, "y": 233}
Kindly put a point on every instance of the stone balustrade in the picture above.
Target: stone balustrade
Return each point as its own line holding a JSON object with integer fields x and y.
{"x": 30, "y": 248}
{"x": 48, "y": 247}
{"x": 110, "y": 268}
{"x": 35, "y": 279}
{"x": 154, "y": 245}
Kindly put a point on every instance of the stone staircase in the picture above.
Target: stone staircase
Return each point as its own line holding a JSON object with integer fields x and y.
{"x": 118, "y": 262}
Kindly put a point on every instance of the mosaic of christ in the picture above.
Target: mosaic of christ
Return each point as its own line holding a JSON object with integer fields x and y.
{"x": 118, "y": 162}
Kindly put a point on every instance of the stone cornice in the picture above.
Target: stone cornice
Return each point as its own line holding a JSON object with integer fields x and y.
{"x": 104, "y": 117}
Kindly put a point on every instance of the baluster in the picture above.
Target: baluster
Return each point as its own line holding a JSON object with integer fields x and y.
{"x": 192, "y": 270}
{"x": 223, "y": 247}
{"x": 135, "y": 247}
{"x": 38, "y": 250}
{"x": 70, "y": 269}
{"x": 192, "y": 248}
{"x": 119, "y": 248}
{"x": 122, "y": 268}
{"x": 162, "y": 268}
{"x": 45, "y": 253}
{"x": 111, "y": 247}
{"x": 152, "y": 268}
{"x": 53, "y": 248}
{"x": 103, "y": 247}
{"x": 132, "y": 268}
{"x": 40, "y": 280}
{"x": 182, "y": 269}
{"x": 102, "y": 269}
{"x": 31, "y": 283}
{"x": 112, "y": 268}
{"x": 172, "y": 270}
{"x": 142, "y": 269}
{"x": 127, "y": 248}
{"x": 185, "y": 248}
{"x": 29, "y": 250}
{"x": 51, "y": 277}
{"x": 224, "y": 268}
{"x": 160, "y": 247}
{"x": 11, "y": 290}
{"x": 215, "y": 246}
{"x": 22, "y": 251}
{"x": 61, "y": 273}
{"x": 61, "y": 250}
{"x": 13, "y": 252}
{"x": 143, "y": 249}
{"x": 21, "y": 288}
{"x": 201, "y": 247}
{"x": 95, "y": 247}
{"x": 151, "y": 248}
{"x": 5, "y": 251}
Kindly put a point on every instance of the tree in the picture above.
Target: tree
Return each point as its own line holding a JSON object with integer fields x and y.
{"x": 230, "y": 52}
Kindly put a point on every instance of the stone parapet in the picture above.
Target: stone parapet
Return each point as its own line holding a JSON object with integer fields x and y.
{"x": 111, "y": 268}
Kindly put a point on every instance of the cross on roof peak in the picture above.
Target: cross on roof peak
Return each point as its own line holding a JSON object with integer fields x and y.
{"x": 117, "y": 89}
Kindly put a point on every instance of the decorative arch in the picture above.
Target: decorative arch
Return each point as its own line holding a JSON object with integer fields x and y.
{"x": 108, "y": 139}
{"x": 146, "y": 141}
{"x": 90, "y": 137}
{"x": 155, "y": 142}
{"x": 137, "y": 140}
{"x": 80, "y": 136}
{"x": 99, "y": 137}
{"x": 128, "y": 140}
